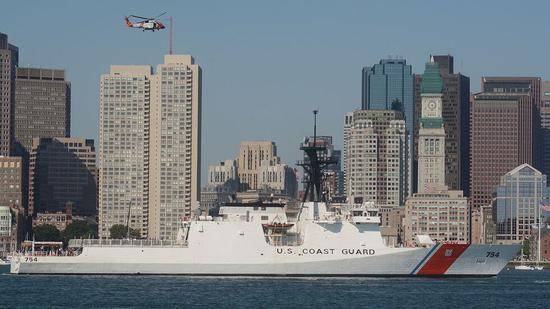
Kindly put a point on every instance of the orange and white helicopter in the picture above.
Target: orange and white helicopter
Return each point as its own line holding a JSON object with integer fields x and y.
{"x": 145, "y": 23}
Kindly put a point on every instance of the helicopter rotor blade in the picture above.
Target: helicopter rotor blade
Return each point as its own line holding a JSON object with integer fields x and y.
{"x": 160, "y": 15}
{"x": 135, "y": 16}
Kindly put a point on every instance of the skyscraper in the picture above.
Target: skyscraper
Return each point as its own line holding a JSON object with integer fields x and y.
{"x": 456, "y": 119}
{"x": 500, "y": 138}
{"x": 175, "y": 144}
{"x": 43, "y": 106}
{"x": 150, "y": 130}
{"x": 124, "y": 130}
{"x": 377, "y": 157}
{"x": 517, "y": 203}
{"x": 389, "y": 85}
{"x": 63, "y": 171}
{"x": 9, "y": 57}
{"x": 250, "y": 157}
{"x": 529, "y": 86}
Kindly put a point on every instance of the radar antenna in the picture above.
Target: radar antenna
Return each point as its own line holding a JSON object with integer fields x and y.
{"x": 316, "y": 160}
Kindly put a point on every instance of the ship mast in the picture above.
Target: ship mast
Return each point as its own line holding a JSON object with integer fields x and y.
{"x": 316, "y": 159}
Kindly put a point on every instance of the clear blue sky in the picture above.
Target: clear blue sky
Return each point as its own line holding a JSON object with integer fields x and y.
{"x": 267, "y": 64}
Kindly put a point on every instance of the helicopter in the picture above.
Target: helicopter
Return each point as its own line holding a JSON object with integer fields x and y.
{"x": 145, "y": 23}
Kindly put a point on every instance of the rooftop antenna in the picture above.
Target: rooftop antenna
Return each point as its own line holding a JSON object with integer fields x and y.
{"x": 171, "y": 37}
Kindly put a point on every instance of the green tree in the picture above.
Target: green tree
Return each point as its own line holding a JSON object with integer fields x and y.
{"x": 119, "y": 231}
{"x": 79, "y": 229}
{"x": 46, "y": 232}
{"x": 527, "y": 248}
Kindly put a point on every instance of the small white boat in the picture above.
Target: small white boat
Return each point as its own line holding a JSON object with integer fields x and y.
{"x": 5, "y": 262}
{"x": 524, "y": 267}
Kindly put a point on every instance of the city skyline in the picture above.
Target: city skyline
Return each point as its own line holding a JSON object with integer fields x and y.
{"x": 245, "y": 70}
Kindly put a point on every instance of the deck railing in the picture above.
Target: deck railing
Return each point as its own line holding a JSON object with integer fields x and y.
{"x": 75, "y": 243}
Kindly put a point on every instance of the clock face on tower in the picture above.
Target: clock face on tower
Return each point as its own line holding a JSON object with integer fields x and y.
{"x": 431, "y": 104}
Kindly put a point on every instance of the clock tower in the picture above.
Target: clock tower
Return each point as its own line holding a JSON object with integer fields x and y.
{"x": 431, "y": 136}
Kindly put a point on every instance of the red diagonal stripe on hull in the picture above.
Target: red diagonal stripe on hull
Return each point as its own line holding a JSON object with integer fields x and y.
{"x": 442, "y": 259}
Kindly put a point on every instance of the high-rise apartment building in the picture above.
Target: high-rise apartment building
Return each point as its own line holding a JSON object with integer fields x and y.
{"x": 456, "y": 119}
{"x": 545, "y": 126}
{"x": 250, "y": 157}
{"x": 175, "y": 144}
{"x": 517, "y": 203}
{"x": 501, "y": 138}
{"x": 376, "y": 157}
{"x": 43, "y": 107}
{"x": 124, "y": 130}
{"x": 150, "y": 130}
{"x": 62, "y": 171}
{"x": 9, "y": 57}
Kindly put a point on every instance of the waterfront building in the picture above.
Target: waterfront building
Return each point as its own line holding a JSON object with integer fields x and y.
{"x": 545, "y": 126}
{"x": 9, "y": 58}
{"x": 63, "y": 170}
{"x": 11, "y": 182}
{"x": 7, "y": 241}
{"x": 150, "y": 146}
{"x": 43, "y": 106}
{"x": 376, "y": 158}
{"x": 278, "y": 178}
{"x": 391, "y": 225}
{"x": 444, "y": 216}
{"x": 517, "y": 203}
{"x": 456, "y": 118}
{"x": 436, "y": 211}
{"x": 59, "y": 219}
{"x": 250, "y": 157}
{"x": 501, "y": 139}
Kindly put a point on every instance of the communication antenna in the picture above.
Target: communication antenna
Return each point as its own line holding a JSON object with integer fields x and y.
{"x": 170, "y": 35}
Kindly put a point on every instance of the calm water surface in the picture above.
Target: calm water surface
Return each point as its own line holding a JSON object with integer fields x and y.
{"x": 512, "y": 289}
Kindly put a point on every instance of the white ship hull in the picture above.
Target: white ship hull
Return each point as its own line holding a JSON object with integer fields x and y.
{"x": 339, "y": 249}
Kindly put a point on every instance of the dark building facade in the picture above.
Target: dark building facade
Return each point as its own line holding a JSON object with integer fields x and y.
{"x": 456, "y": 119}
{"x": 62, "y": 171}
{"x": 9, "y": 57}
{"x": 501, "y": 139}
{"x": 529, "y": 86}
{"x": 43, "y": 106}
{"x": 545, "y": 126}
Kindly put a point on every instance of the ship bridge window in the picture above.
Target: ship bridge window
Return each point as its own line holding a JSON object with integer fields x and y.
{"x": 263, "y": 207}
{"x": 265, "y": 218}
